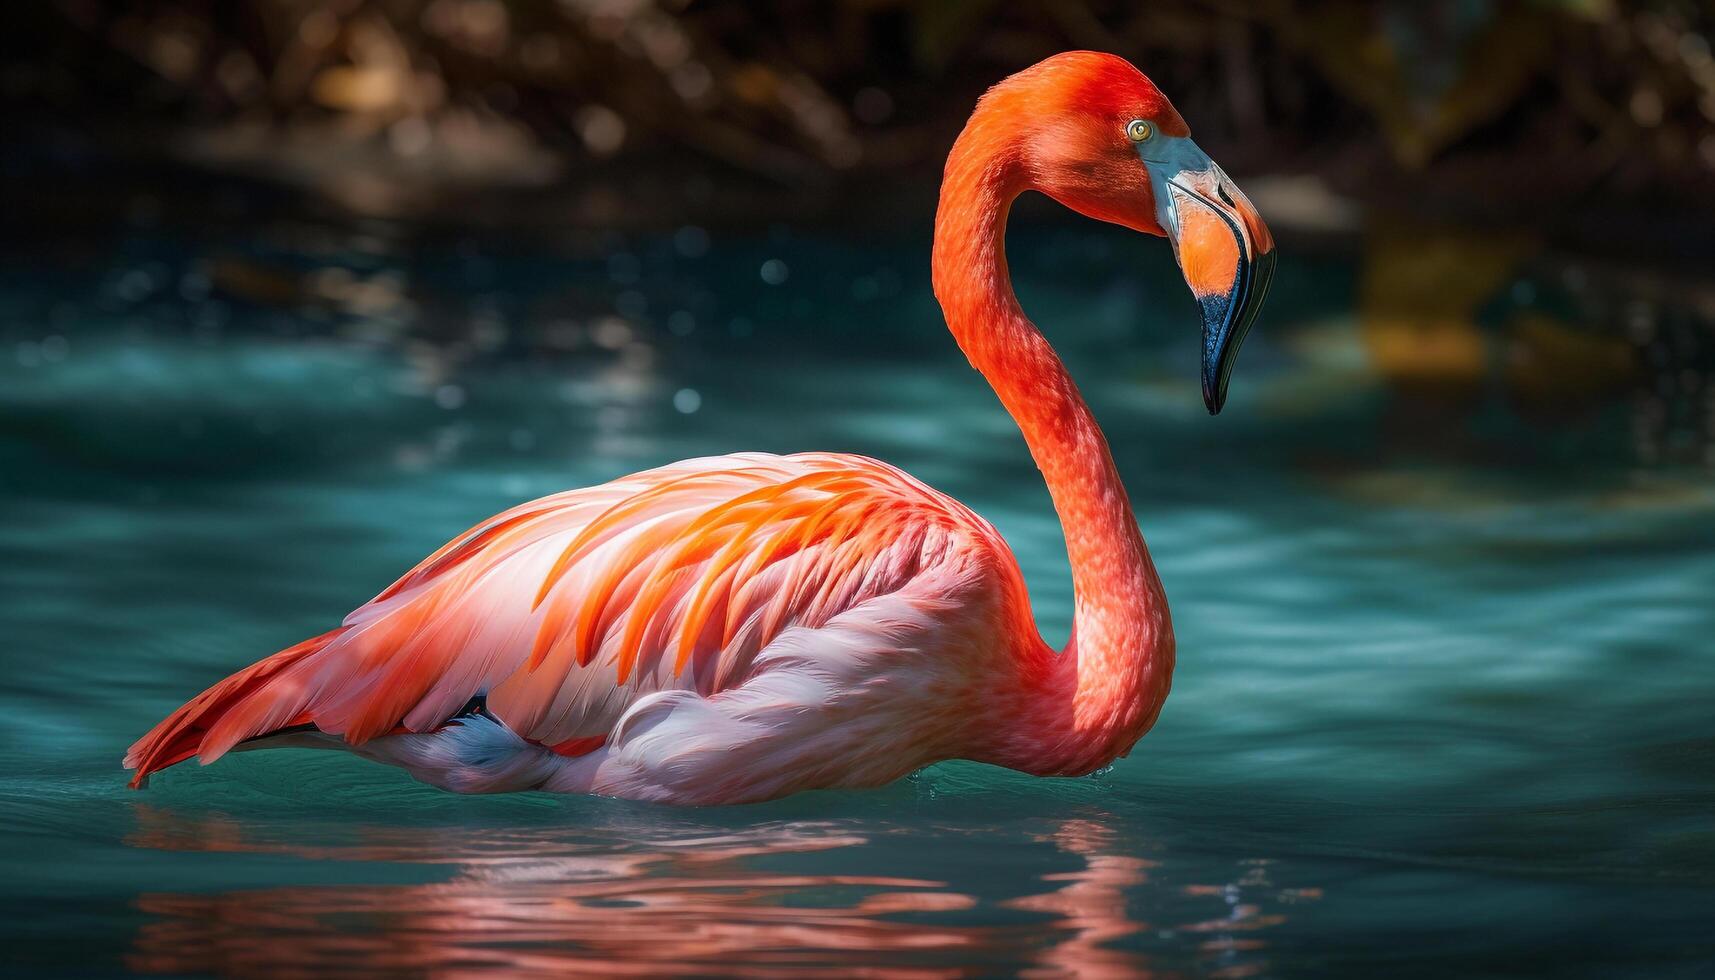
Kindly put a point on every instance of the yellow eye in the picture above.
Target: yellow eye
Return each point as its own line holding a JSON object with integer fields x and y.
{"x": 1139, "y": 130}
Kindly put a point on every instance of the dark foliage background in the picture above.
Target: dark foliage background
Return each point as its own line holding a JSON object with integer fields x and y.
{"x": 1590, "y": 119}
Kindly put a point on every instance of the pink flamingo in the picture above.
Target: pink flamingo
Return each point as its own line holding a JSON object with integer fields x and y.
{"x": 737, "y": 628}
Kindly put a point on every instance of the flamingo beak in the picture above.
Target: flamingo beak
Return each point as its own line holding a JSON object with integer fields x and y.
{"x": 1224, "y": 250}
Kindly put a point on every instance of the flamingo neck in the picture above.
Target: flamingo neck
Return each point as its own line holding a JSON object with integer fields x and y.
{"x": 1078, "y": 710}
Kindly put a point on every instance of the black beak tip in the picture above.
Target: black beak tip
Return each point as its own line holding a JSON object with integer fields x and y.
{"x": 1214, "y": 388}
{"x": 1226, "y": 322}
{"x": 1217, "y": 323}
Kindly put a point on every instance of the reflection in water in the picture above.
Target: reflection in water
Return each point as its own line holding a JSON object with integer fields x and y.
{"x": 1233, "y": 934}
{"x": 545, "y": 900}
{"x": 1474, "y": 325}
{"x": 551, "y": 900}
{"x": 1091, "y": 904}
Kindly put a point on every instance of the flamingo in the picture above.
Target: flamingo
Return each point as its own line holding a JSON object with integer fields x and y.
{"x": 737, "y": 628}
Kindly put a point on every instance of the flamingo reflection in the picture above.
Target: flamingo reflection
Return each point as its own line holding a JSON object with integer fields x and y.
{"x": 544, "y": 901}
{"x": 524, "y": 901}
{"x": 1091, "y": 904}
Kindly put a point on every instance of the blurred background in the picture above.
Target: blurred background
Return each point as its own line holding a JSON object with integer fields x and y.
{"x": 1525, "y": 190}
{"x": 291, "y": 291}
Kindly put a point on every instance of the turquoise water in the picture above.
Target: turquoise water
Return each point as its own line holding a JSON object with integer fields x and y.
{"x": 1446, "y": 666}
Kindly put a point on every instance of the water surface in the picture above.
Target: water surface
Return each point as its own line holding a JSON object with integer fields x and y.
{"x": 1443, "y": 703}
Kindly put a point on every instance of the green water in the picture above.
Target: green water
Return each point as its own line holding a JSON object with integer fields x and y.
{"x": 1444, "y": 695}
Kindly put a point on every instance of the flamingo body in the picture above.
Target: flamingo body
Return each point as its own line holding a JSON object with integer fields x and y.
{"x": 732, "y": 627}
{"x": 741, "y": 627}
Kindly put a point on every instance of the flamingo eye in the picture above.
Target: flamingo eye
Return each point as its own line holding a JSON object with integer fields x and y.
{"x": 1139, "y": 130}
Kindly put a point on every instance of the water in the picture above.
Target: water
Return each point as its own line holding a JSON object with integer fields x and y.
{"x": 1443, "y": 703}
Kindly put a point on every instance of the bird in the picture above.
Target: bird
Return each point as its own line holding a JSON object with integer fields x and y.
{"x": 737, "y": 628}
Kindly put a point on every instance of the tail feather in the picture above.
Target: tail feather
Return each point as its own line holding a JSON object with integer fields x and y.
{"x": 185, "y": 732}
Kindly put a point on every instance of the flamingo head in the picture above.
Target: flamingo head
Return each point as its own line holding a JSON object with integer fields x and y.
{"x": 1095, "y": 134}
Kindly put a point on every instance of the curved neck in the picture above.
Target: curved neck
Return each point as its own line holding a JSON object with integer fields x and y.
{"x": 1079, "y": 710}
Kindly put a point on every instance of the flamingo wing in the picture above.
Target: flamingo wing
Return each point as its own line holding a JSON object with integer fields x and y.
{"x": 563, "y": 612}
